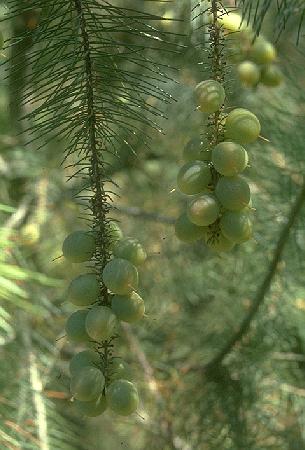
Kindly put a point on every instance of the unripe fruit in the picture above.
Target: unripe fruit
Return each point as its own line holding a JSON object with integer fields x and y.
{"x": 128, "y": 308}
{"x": 186, "y": 231}
{"x": 83, "y": 359}
{"x": 262, "y": 52}
{"x": 236, "y": 226}
{"x": 196, "y": 150}
{"x": 229, "y": 158}
{"x": 203, "y": 210}
{"x": 100, "y": 323}
{"x": 219, "y": 243}
{"x": 231, "y": 21}
{"x": 194, "y": 177}
{"x": 272, "y": 76}
{"x": 242, "y": 126}
{"x": 75, "y": 327}
{"x": 87, "y": 384}
{"x": 120, "y": 276}
{"x": 92, "y": 409}
{"x": 122, "y": 397}
{"x": 119, "y": 369}
{"x": 130, "y": 249}
{"x": 210, "y": 96}
{"x": 79, "y": 246}
{"x": 84, "y": 290}
{"x": 249, "y": 73}
{"x": 233, "y": 192}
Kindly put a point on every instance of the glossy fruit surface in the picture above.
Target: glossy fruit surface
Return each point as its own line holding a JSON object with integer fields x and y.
{"x": 119, "y": 369}
{"x": 122, "y": 397}
{"x": 242, "y": 126}
{"x": 83, "y": 359}
{"x": 236, "y": 226}
{"x": 79, "y": 246}
{"x": 128, "y": 308}
{"x": 87, "y": 384}
{"x": 229, "y": 158}
{"x": 194, "y": 177}
{"x": 84, "y": 290}
{"x": 219, "y": 243}
{"x": 210, "y": 96}
{"x": 75, "y": 327}
{"x": 186, "y": 231}
{"x": 196, "y": 150}
{"x": 233, "y": 192}
{"x": 100, "y": 323}
{"x": 262, "y": 52}
{"x": 272, "y": 76}
{"x": 203, "y": 210}
{"x": 92, "y": 409}
{"x": 249, "y": 73}
{"x": 130, "y": 249}
{"x": 120, "y": 276}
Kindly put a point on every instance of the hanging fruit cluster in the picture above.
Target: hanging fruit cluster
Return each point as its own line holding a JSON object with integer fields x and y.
{"x": 218, "y": 209}
{"x": 256, "y": 56}
{"x": 98, "y": 379}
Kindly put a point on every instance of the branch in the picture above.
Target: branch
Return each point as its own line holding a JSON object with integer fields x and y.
{"x": 264, "y": 288}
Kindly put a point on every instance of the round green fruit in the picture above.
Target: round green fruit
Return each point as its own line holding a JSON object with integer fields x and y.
{"x": 219, "y": 243}
{"x": 196, "y": 150}
{"x": 210, "y": 96}
{"x": 122, "y": 397}
{"x": 100, "y": 323}
{"x": 186, "y": 231}
{"x": 229, "y": 158}
{"x": 130, "y": 249}
{"x": 79, "y": 246}
{"x": 92, "y": 409}
{"x": 242, "y": 126}
{"x": 84, "y": 290}
{"x": 83, "y": 359}
{"x": 119, "y": 369}
{"x": 203, "y": 210}
{"x": 87, "y": 384}
{"x": 236, "y": 226}
{"x": 262, "y": 52}
{"x": 233, "y": 192}
{"x": 120, "y": 276}
{"x": 128, "y": 308}
{"x": 75, "y": 327}
{"x": 231, "y": 21}
{"x": 249, "y": 73}
{"x": 194, "y": 177}
{"x": 272, "y": 76}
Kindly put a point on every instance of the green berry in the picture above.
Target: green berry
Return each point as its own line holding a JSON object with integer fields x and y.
{"x": 236, "y": 226}
{"x": 75, "y": 326}
{"x": 83, "y": 359}
{"x": 100, "y": 323}
{"x": 219, "y": 243}
{"x": 87, "y": 384}
{"x": 233, "y": 192}
{"x": 92, "y": 409}
{"x": 186, "y": 231}
{"x": 120, "y": 276}
{"x": 210, "y": 96}
{"x": 272, "y": 76}
{"x": 84, "y": 290}
{"x": 262, "y": 52}
{"x": 242, "y": 126}
{"x": 130, "y": 249}
{"x": 229, "y": 158}
{"x": 119, "y": 369}
{"x": 122, "y": 397}
{"x": 203, "y": 210}
{"x": 194, "y": 177}
{"x": 196, "y": 150}
{"x": 249, "y": 73}
{"x": 128, "y": 308}
{"x": 79, "y": 246}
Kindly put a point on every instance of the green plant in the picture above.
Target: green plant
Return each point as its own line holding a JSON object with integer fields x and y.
{"x": 87, "y": 384}
{"x": 128, "y": 309}
{"x": 122, "y": 397}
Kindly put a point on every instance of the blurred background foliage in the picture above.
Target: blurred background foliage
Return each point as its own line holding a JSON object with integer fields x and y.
{"x": 195, "y": 299}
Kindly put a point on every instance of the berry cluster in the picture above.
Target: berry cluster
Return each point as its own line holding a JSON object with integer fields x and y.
{"x": 256, "y": 56}
{"x": 98, "y": 379}
{"x": 219, "y": 197}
